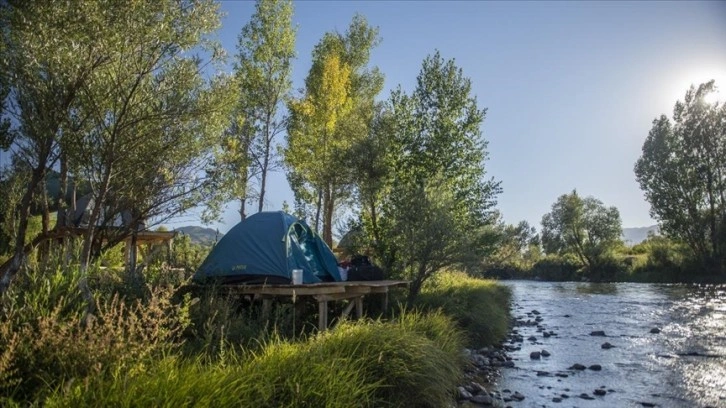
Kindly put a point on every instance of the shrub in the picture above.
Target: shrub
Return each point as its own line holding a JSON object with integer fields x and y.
{"x": 480, "y": 307}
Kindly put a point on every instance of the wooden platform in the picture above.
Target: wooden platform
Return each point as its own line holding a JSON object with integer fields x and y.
{"x": 354, "y": 291}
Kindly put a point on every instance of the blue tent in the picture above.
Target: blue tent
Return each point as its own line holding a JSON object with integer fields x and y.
{"x": 266, "y": 247}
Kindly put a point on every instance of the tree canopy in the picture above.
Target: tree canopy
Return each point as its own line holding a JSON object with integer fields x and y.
{"x": 583, "y": 227}
{"x": 682, "y": 171}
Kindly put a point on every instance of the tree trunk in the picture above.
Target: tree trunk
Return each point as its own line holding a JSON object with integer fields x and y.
{"x": 317, "y": 211}
{"x": 263, "y": 181}
{"x": 7, "y": 275}
{"x": 242, "y": 203}
{"x": 328, "y": 207}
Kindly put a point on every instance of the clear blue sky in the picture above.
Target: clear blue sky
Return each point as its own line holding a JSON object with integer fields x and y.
{"x": 571, "y": 88}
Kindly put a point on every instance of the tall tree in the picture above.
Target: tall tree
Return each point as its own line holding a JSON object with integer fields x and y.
{"x": 438, "y": 201}
{"x": 122, "y": 96}
{"x": 583, "y": 227}
{"x": 265, "y": 50}
{"x": 335, "y": 111}
{"x": 682, "y": 171}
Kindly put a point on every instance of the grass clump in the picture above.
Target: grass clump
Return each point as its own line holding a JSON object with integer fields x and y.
{"x": 414, "y": 361}
{"x": 479, "y": 306}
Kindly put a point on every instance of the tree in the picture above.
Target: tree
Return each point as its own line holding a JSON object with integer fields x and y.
{"x": 326, "y": 122}
{"x": 682, "y": 171}
{"x": 265, "y": 50}
{"x": 436, "y": 204}
{"x": 581, "y": 227}
{"x": 113, "y": 86}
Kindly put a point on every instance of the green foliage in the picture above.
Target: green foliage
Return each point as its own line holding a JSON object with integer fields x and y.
{"x": 47, "y": 340}
{"x": 326, "y": 122}
{"x": 479, "y": 307}
{"x": 584, "y": 228}
{"x": 415, "y": 361}
{"x": 265, "y": 50}
{"x": 682, "y": 171}
{"x": 435, "y": 203}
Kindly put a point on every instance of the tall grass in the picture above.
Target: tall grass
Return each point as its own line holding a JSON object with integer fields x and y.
{"x": 362, "y": 364}
{"x": 480, "y": 307}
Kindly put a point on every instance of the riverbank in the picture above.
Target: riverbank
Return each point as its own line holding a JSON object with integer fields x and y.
{"x": 154, "y": 348}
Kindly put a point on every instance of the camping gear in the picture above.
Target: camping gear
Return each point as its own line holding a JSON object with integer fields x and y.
{"x": 265, "y": 248}
{"x": 362, "y": 269}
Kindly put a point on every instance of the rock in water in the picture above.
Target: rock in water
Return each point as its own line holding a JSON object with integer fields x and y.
{"x": 606, "y": 346}
{"x": 597, "y": 333}
{"x": 600, "y": 392}
{"x": 655, "y": 330}
{"x": 534, "y": 355}
{"x": 483, "y": 399}
{"x": 577, "y": 366}
{"x": 464, "y": 394}
{"x": 595, "y": 367}
{"x": 545, "y": 353}
{"x": 586, "y": 396}
{"x": 518, "y": 396}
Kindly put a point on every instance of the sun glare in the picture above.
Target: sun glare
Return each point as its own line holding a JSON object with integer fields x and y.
{"x": 684, "y": 81}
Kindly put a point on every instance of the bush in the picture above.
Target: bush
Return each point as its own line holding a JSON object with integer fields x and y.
{"x": 47, "y": 339}
{"x": 480, "y": 307}
{"x": 364, "y": 364}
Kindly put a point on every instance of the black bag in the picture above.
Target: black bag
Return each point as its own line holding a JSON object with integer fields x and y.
{"x": 365, "y": 273}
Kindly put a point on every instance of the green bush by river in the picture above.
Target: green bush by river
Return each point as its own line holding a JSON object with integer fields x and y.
{"x": 155, "y": 347}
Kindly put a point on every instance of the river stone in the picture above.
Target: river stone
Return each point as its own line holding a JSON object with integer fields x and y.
{"x": 600, "y": 392}
{"x": 595, "y": 367}
{"x": 606, "y": 346}
{"x": 586, "y": 396}
{"x": 545, "y": 353}
{"x": 655, "y": 330}
{"x": 483, "y": 399}
{"x": 577, "y": 366}
{"x": 518, "y": 396}
{"x": 597, "y": 333}
{"x": 534, "y": 355}
{"x": 464, "y": 394}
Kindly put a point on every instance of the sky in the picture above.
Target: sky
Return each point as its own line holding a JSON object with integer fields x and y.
{"x": 571, "y": 88}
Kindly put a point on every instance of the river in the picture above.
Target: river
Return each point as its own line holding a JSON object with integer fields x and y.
{"x": 669, "y": 345}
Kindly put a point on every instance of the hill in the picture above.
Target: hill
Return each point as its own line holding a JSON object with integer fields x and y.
{"x": 633, "y": 236}
{"x": 201, "y": 235}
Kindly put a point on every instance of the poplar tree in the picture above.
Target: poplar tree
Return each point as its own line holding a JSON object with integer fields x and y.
{"x": 334, "y": 113}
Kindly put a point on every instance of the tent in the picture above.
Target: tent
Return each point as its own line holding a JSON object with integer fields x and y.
{"x": 266, "y": 247}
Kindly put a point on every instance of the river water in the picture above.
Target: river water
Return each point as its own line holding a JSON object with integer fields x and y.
{"x": 684, "y": 365}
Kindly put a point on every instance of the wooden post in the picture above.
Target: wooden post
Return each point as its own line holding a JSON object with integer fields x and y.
{"x": 266, "y": 308}
{"x": 359, "y": 306}
{"x": 322, "y": 315}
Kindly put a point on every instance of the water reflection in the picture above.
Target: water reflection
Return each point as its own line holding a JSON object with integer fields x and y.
{"x": 681, "y": 363}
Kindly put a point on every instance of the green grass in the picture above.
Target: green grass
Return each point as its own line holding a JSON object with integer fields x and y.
{"x": 415, "y": 361}
{"x": 479, "y": 306}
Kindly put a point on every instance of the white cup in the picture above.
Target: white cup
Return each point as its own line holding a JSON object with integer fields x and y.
{"x": 297, "y": 276}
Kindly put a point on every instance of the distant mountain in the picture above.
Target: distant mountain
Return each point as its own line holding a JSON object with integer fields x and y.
{"x": 201, "y": 235}
{"x": 633, "y": 236}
